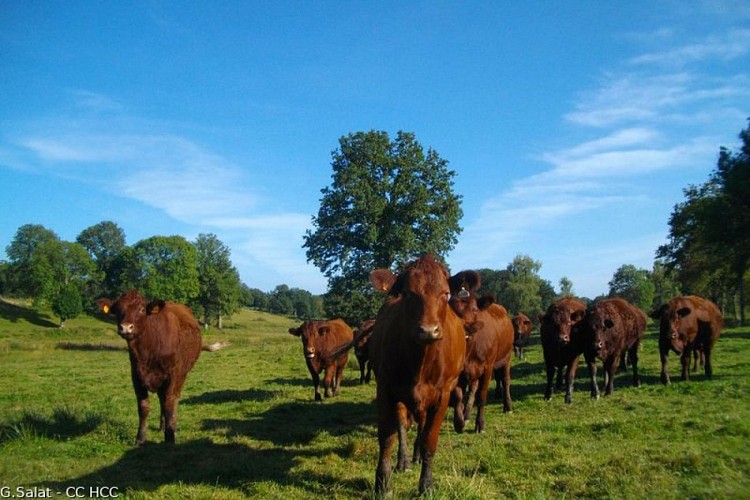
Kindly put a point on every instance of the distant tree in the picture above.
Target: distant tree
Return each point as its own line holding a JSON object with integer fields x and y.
{"x": 163, "y": 267}
{"x": 56, "y": 264}
{"x": 280, "y": 301}
{"x": 633, "y": 285}
{"x": 547, "y": 295}
{"x": 389, "y": 202}
{"x": 20, "y": 252}
{"x": 67, "y": 303}
{"x": 105, "y": 242}
{"x": 566, "y": 287}
{"x": 218, "y": 280}
{"x": 518, "y": 287}
{"x": 665, "y": 286}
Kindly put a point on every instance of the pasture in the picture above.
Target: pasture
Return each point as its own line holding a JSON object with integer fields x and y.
{"x": 248, "y": 425}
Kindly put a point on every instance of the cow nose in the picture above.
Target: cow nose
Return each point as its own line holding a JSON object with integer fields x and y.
{"x": 126, "y": 328}
{"x": 429, "y": 332}
{"x": 310, "y": 352}
{"x": 600, "y": 345}
{"x": 566, "y": 338}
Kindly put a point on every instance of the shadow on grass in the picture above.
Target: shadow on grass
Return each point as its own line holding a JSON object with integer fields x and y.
{"x": 15, "y": 313}
{"x": 72, "y": 346}
{"x": 230, "y": 396}
{"x": 299, "y": 423}
{"x": 61, "y": 426}
{"x": 199, "y": 462}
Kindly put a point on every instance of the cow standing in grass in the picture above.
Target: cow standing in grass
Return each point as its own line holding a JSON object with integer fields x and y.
{"x": 362, "y": 349}
{"x": 164, "y": 342}
{"x": 319, "y": 340}
{"x": 562, "y": 347}
{"x": 686, "y": 324}
{"x": 612, "y": 328}
{"x": 522, "y": 328}
{"x": 417, "y": 351}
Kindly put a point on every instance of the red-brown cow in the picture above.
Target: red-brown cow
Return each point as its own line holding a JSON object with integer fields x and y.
{"x": 362, "y": 349}
{"x": 611, "y": 328}
{"x": 164, "y": 342}
{"x": 522, "y": 328}
{"x": 319, "y": 340}
{"x": 560, "y": 344}
{"x": 417, "y": 351}
{"x": 489, "y": 341}
{"x": 688, "y": 323}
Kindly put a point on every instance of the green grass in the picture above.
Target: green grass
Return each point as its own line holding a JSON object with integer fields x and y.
{"x": 248, "y": 425}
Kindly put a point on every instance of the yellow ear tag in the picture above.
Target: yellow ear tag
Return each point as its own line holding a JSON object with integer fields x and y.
{"x": 105, "y": 308}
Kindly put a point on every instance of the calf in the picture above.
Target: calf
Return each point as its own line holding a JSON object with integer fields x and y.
{"x": 489, "y": 339}
{"x": 164, "y": 342}
{"x": 612, "y": 328}
{"x": 521, "y": 333}
{"x": 560, "y": 344}
{"x": 362, "y": 349}
{"x": 319, "y": 340}
{"x": 417, "y": 351}
{"x": 686, "y": 324}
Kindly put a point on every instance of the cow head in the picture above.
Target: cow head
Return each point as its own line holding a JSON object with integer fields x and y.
{"x": 422, "y": 288}
{"x": 310, "y": 332}
{"x": 129, "y": 310}
{"x": 600, "y": 325}
{"x": 463, "y": 298}
{"x": 561, "y": 319}
{"x": 675, "y": 322}
{"x": 521, "y": 327}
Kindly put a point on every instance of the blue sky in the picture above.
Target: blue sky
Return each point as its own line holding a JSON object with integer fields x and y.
{"x": 572, "y": 126}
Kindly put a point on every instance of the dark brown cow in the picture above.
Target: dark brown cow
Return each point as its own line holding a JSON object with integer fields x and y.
{"x": 362, "y": 349}
{"x": 611, "y": 328}
{"x": 522, "y": 328}
{"x": 164, "y": 342}
{"x": 417, "y": 351}
{"x": 561, "y": 346}
{"x": 319, "y": 340}
{"x": 688, "y": 323}
{"x": 489, "y": 342}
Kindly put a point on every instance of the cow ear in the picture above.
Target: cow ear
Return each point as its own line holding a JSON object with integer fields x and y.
{"x": 105, "y": 305}
{"x": 683, "y": 312}
{"x": 323, "y": 330}
{"x": 155, "y": 306}
{"x": 577, "y": 316}
{"x": 295, "y": 331}
{"x": 382, "y": 280}
{"x": 608, "y": 323}
{"x": 485, "y": 301}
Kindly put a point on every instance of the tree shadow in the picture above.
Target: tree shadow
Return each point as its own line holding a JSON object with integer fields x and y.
{"x": 62, "y": 425}
{"x": 72, "y": 346}
{"x": 15, "y": 313}
{"x": 230, "y": 396}
{"x": 296, "y": 423}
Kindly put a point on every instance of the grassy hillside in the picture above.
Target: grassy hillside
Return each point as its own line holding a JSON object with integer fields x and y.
{"x": 248, "y": 425}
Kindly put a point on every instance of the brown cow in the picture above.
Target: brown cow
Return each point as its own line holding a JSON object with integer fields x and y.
{"x": 522, "y": 328}
{"x": 611, "y": 328}
{"x": 489, "y": 342}
{"x": 417, "y": 351}
{"x": 319, "y": 340}
{"x": 560, "y": 344}
{"x": 164, "y": 342}
{"x": 688, "y": 323}
{"x": 362, "y": 349}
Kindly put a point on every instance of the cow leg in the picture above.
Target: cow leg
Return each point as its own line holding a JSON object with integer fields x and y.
{"x": 338, "y": 379}
{"x": 591, "y": 363}
{"x": 610, "y": 367}
{"x": 458, "y": 407}
{"x": 141, "y": 395}
{"x": 559, "y": 385}
{"x": 482, "y": 401}
{"x": 706, "y": 358}
{"x": 387, "y": 428}
{"x": 685, "y": 360}
{"x": 633, "y": 355}
{"x": 328, "y": 381}
{"x": 663, "y": 353}
{"x": 361, "y": 372}
{"x": 316, "y": 383}
{"x": 470, "y": 400}
{"x": 369, "y": 372}
{"x": 571, "y": 377}
{"x": 403, "y": 425}
{"x": 168, "y": 401}
{"x": 550, "y": 377}
{"x": 429, "y": 440}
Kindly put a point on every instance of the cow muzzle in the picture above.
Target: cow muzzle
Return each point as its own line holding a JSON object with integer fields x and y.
{"x": 429, "y": 333}
{"x": 126, "y": 330}
{"x": 310, "y": 353}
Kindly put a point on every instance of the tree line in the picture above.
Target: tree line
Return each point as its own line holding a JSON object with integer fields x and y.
{"x": 389, "y": 201}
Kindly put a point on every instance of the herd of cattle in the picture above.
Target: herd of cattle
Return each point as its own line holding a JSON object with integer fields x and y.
{"x": 434, "y": 343}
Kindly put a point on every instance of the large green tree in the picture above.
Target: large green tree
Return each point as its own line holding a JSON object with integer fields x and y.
{"x": 163, "y": 267}
{"x": 218, "y": 280}
{"x": 634, "y": 285}
{"x": 518, "y": 287}
{"x": 21, "y": 252}
{"x": 389, "y": 202}
{"x": 105, "y": 242}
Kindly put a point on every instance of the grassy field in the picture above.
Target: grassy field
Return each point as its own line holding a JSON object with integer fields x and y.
{"x": 248, "y": 425}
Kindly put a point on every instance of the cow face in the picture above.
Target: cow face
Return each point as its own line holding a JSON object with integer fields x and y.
{"x": 521, "y": 327}
{"x": 463, "y": 298}
{"x": 422, "y": 288}
{"x": 311, "y": 336}
{"x": 603, "y": 334}
{"x": 562, "y": 320}
{"x": 129, "y": 310}
{"x": 675, "y": 324}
